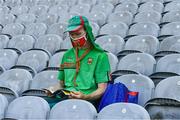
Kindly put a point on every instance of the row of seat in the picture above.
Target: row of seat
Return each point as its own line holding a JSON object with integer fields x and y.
{"x": 30, "y": 107}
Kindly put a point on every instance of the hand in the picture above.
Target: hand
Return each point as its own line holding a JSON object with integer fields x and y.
{"x": 77, "y": 95}
{"x": 48, "y": 92}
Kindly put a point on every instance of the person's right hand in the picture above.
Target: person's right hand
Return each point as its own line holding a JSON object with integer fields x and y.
{"x": 48, "y": 92}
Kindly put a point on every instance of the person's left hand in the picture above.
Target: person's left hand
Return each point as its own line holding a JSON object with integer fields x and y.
{"x": 77, "y": 95}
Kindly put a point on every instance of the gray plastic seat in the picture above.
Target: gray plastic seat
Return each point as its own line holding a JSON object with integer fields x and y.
{"x": 114, "y": 28}
{"x": 130, "y": 1}
{"x": 66, "y": 44}
{"x": 172, "y": 28}
{"x": 170, "y": 44}
{"x": 123, "y": 16}
{"x": 58, "y": 29}
{"x": 139, "y": 83}
{"x": 3, "y": 41}
{"x": 4, "y": 10}
{"x": 139, "y": 62}
{"x": 49, "y": 42}
{"x": 55, "y": 60}
{"x": 39, "y": 9}
{"x": 67, "y": 2}
{"x": 73, "y": 109}
{"x": 44, "y": 79}
{"x": 111, "y": 43}
{"x": 169, "y": 63}
{"x": 152, "y": 6}
{"x": 28, "y": 107}
{"x": 172, "y": 6}
{"x": 17, "y": 80}
{"x": 114, "y": 2}
{"x": 107, "y": 8}
{"x": 3, "y": 105}
{"x": 127, "y": 6}
{"x": 168, "y": 88}
{"x": 13, "y": 29}
{"x": 95, "y": 28}
{"x": 148, "y": 16}
{"x": 6, "y": 19}
{"x": 35, "y": 59}
{"x": 58, "y": 9}
{"x": 36, "y": 29}
{"x": 113, "y": 61}
{"x": 83, "y": 9}
{"x": 26, "y": 18}
{"x": 18, "y": 10}
{"x": 65, "y": 16}
{"x": 144, "y": 28}
{"x": 8, "y": 58}
{"x": 97, "y": 17}
{"x": 144, "y": 43}
{"x": 172, "y": 16}
{"x": 47, "y": 2}
{"x": 48, "y": 19}
{"x": 22, "y": 42}
{"x": 123, "y": 111}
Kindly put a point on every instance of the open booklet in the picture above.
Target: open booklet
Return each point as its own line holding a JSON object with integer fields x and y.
{"x": 57, "y": 92}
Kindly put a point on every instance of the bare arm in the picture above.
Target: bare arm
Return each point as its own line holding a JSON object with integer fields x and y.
{"x": 93, "y": 96}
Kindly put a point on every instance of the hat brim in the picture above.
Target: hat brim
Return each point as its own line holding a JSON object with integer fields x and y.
{"x": 73, "y": 28}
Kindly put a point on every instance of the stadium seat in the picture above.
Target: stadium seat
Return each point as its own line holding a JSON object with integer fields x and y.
{"x": 48, "y": 19}
{"x": 3, "y": 41}
{"x": 3, "y": 105}
{"x": 29, "y": 2}
{"x": 6, "y": 19}
{"x": 35, "y": 59}
{"x": 28, "y": 107}
{"x": 97, "y": 17}
{"x": 161, "y": 1}
{"x": 144, "y": 28}
{"x": 66, "y": 44}
{"x": 12, "y": 3}
{"x": 144, "y": 43}
{"x": 95, "y": 28}
{"x": 148, "y": 16}
{"x": 130, "y": 1}
{"x": 26, "y": 18}
{"x": 127, "y": 6}
{"x": 139, "y": 62}
{"x": 44, "y": 79}
{"x": 113, "y": 61}
{"x": 73, "y": 109}
{"x": 36, "y": 29}
{"x": 64, "y": 17}
{"x": 38, "y": 10}
{"x": 18, "y": 10}
{"x": 128, "y": 111}
{"x": 124, "y": 16}
{"x": 111, "y": 43}
{"x": 49, "y": 43}
{"x": 163, "y": 108}
{"x": 168, "y": 88}
{"x": 172, "y": 6}
{"x": 170, "y": 44}
{"x": 58, "y": 29}
{"x": 107, "y": 8}
{"x": 114, "y": 2}
{"x": 169, "y": 63}
{"x": 90, "y": 2}
{"x": 58, "y": 9}
{"x": 171, "y": 29}
{"x": 82, "y": 9}
{"x": 17, "y": 80}
{"x": 55, "y": 60}
{"x": 8, "y": 58}
{"x": 21, "y": 42}
{"x": 47, "y": 2}
{"x": 67, "y": 2}
{"x": 139, "y": 83}
{"x": 115, "y": 28}
{"x": 152, "y": 5}
{"x": 172, "y": 16}
{"x": 13, "y": 29}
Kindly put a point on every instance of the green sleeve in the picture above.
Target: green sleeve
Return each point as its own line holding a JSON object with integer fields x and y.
{"x": 61, "y": 71}
{"x": 102, "y": 70}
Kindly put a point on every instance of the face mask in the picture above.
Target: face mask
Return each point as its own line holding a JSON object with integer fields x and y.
{"x": 79, "y": 42}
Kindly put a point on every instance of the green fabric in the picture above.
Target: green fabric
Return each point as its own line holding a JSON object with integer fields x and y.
{"x": 75, "y": 22}
{"x": 94, "y": 69}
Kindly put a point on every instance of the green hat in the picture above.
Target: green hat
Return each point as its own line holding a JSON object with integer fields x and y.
{"x": 78, "y": 22}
